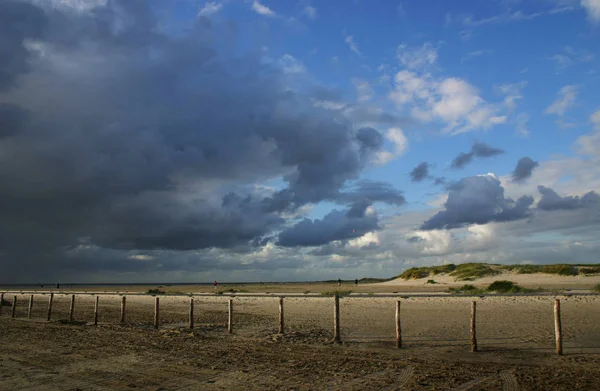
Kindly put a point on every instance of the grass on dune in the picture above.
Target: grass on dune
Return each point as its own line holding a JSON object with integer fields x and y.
{"x": 421, "y": 272}
{"x": 471, "y": 271}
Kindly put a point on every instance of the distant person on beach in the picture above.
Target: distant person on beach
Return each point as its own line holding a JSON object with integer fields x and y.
{"x": 339, "y": 282}
{"x": 215, "y": 284}
{"x": 57, "y": 285}
{"x": 356, "y": 281}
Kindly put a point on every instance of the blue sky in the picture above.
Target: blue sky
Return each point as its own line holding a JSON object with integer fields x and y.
{"x": 536, "y": 46}
{"x": 294, "y": 140}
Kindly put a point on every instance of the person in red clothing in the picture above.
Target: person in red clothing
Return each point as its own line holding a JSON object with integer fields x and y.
{"x": 215, "y": 284}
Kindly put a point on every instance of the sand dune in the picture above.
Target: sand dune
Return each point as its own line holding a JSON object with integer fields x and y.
{"x": 535, "y": 280}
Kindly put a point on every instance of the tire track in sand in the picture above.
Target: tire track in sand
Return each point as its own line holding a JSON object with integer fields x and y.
{"x": 403, "y": 379}
{"x": 470, "y": 384}
{"x": 509, "y": 381}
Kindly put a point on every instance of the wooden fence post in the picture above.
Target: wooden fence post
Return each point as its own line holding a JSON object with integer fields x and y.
{"x": 230, "y": 321}
{"x": 156, "y": 315}
{"x": 123, "y": 309}
{"x": 14, "y": 307}
{"x": 398, "y": 326}
{"x": 1, "y": 302}
{"x": 30, "y": 308}
{"x": 281, "y": 322}
{"x": 473, "y": 326}
{"x": 96, "y": 311}
{"x": 558, "y": 328}
{"x": 336, "y": 319}
{"x": 50, "y": 300}
{"x": 191, "y": 312}
{"x": 72, "y": 309}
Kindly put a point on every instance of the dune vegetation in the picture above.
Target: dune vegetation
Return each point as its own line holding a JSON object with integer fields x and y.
{"x": 472, "y": 271}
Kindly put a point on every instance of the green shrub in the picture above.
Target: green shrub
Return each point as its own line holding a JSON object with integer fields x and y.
{"x": 374, "y": 280}
{"x": 431, "y": 282}
{"x": 415, "y": 273}
{"x": 470, "y": 271}
{"x": 562, "y": 270}
{"x": 597, "y": 288}
{"x": 336, "y": 292}
{"x": 467, "y": 288}
{"x": 523, "y": 269}
{"x": 421, "y": 272}
{"x": 504, "y": 287}
{"x": 589, "y": 270}
{"x": 155, "y": 292}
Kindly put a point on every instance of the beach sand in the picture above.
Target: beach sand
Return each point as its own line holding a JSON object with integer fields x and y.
{"x": 515, "y": 338}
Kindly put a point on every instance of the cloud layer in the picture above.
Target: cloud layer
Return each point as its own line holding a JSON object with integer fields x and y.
{"x": 117, "y": 135}
{"x": 478, "y": 200}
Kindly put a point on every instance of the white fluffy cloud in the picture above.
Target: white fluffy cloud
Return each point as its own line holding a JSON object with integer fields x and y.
{"x": 589, "y": 144}
{"x": 352, "y": 45}
{"x": 512, "y": 93}
{"x": 211, "y": 7}
{"x": 399, "y": 145}
{"x": 310, "y": 12}
{"x": 291, "y": 65}
{"x": 565, "y": 99}
{"x": 364, "y": 91}
{"x": 415, "y": 58}
{"x": 262, "y": 9}
{"x": 592, "y": 8}
{"x": 77, "y": 5}
{"x": 452, "y": 101}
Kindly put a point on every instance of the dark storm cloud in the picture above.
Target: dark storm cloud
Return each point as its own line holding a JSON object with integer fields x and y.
{"x": 524, "y": 169}
{"x": 478, "y": 200}
{"x": 462, "y": 159}
{"x": 420, "y": 172}
{"x": 484, "y": 150}
{"x": 366, "y": 114}
{"x": 370, "y": 138}
{"x": 12, "y": 119}
{"x": 440, "y": 181}
{"x": 478, "y": 149}
{"x": 552, "y": 201}
{"x": 337, "y": 225}
{"x": 371, "y": 191}
{"x": 115, "y": 131}
{"x": 19, "y": 21}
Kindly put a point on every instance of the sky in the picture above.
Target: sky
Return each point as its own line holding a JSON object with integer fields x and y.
{"x": 243, "y": 140}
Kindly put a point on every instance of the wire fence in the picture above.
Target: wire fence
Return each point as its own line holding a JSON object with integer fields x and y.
{"x": 502, "y": 322}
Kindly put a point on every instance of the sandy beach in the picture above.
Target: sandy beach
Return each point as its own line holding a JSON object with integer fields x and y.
{"x": 515, "y": 338}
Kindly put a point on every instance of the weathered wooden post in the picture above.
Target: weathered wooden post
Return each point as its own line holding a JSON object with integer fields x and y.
{"x": 281, "y": 322}
{"x": 558, "y": 328}
{"x": 336, "y": 319}
{"x": 30, "y": 308}
{"x": 156, "y": 315}
{"x": 123, "y": 299}
{"x": 230, "y": 321}
{"x": 191, "y": 312}
{"x": 1, "y": 302}
{"x": 14, "y": 307}
{"x": 72, "y": 309}
{"x": 398, "y": 326}
{"x": 96, "y": 311}
{"x": 50, "y": 300}
{"x": 473, "y": 326}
